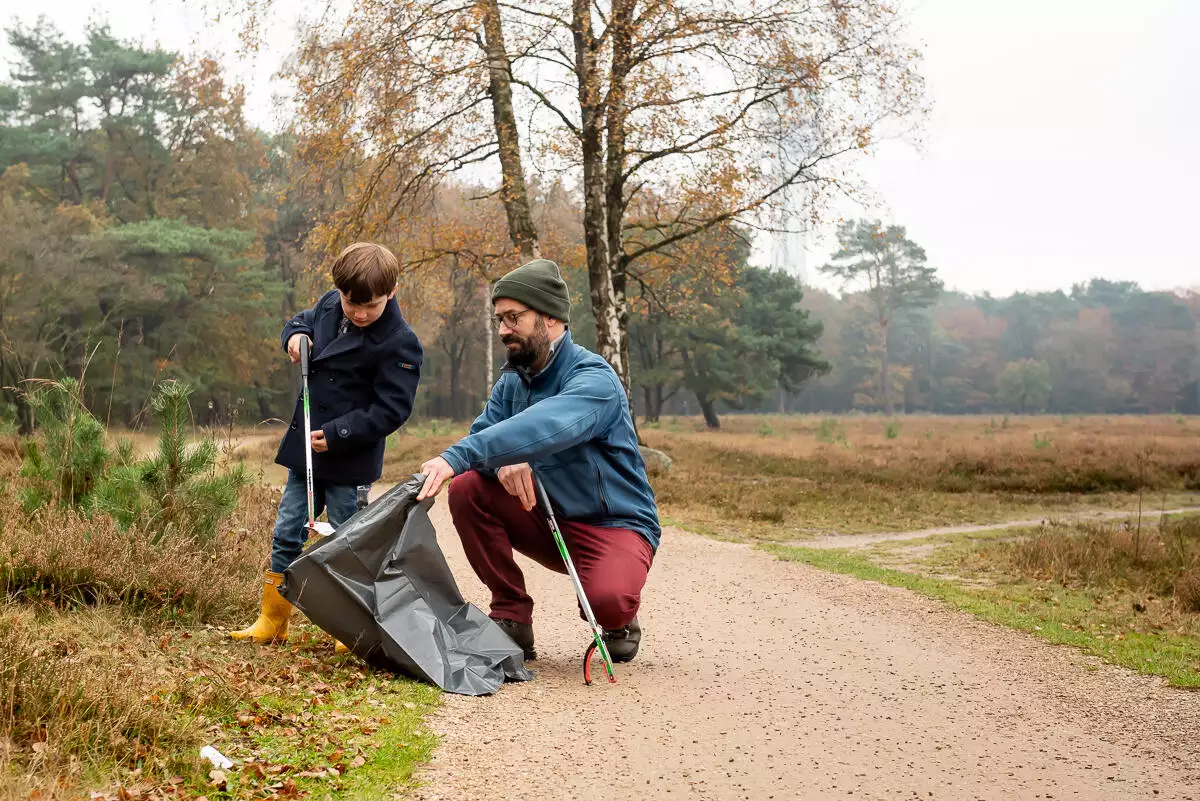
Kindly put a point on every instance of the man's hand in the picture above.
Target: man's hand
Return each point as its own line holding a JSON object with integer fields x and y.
{"x": 293, "y": 347}
{"x": 319, "y": 445}
{"x": 518, "y": 480}
{"x": 437, "y": 472}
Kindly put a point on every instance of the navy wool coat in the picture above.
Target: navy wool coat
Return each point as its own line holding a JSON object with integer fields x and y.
{"x": 361, "y": 389}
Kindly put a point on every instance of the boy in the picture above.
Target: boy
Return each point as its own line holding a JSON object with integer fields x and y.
{"x": 364, "y": 366}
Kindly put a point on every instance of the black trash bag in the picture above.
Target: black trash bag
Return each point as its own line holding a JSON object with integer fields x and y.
{"x": 381, "y": 585}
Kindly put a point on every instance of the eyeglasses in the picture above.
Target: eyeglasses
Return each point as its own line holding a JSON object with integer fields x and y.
{"x": 510, "y": 319}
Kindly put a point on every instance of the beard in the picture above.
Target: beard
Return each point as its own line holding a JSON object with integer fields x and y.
{"x": 527, "y": 351}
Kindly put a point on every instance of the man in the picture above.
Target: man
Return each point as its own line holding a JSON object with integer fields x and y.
{"x": 558, "y": 410}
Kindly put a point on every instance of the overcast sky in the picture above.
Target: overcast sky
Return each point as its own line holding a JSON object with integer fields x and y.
{"x": 1063, "y": 144}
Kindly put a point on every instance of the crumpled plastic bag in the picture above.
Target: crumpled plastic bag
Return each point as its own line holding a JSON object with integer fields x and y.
{"x": 381, "y": 585}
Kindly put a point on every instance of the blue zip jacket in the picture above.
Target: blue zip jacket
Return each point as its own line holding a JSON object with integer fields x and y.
{"x": 571, "y": 423}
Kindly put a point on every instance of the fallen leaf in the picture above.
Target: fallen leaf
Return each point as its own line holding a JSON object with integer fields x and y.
{"x": 358, "y": 761}
{"x": 218, "y": 779}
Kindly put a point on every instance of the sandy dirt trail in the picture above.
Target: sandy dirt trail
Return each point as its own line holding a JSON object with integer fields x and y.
{"x": 1150, "y": 517}
{"x": 760, "y": 679}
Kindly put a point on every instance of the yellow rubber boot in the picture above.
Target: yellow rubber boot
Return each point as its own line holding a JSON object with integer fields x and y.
{"x": 272, "y": 623}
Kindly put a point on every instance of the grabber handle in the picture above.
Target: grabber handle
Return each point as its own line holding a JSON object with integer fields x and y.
{"x": 542, "y": 498}
{"x": 304, "y": 355}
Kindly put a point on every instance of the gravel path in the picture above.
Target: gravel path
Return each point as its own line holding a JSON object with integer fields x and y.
{"x": 760, "y": 679}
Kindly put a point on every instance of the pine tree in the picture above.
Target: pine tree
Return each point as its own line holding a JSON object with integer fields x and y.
{"x": 68, "y": 463}
{"x": 180, "y": 491}
{"x": 896, "y": 276}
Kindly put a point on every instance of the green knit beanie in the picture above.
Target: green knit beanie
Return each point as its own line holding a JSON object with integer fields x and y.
{"x": 539, "y": 286}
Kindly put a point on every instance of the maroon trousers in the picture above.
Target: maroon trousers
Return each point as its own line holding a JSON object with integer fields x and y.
{"x": 612, "y": 562}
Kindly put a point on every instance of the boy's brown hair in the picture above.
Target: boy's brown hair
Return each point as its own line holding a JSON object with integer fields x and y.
{"x": 364, "y": 271}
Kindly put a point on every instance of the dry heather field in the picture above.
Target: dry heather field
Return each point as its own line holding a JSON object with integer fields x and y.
{"x": 790, "y": 478}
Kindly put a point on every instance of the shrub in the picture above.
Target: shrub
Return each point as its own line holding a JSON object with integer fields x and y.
{"x": 177, "y": 492}
{"x": 69, "y": 461}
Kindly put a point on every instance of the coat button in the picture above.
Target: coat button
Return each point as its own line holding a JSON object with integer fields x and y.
{"x": 345, "y": 432}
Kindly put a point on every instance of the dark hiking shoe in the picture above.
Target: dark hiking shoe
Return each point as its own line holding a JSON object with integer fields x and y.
{"x": 623, "y": 643}
{"x": 521, "y": 634}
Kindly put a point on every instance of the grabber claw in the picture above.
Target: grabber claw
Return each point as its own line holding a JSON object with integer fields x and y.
{"x": 587, "y": 666}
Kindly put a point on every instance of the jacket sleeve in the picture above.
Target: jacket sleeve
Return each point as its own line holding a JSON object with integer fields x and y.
{"x": 303, "y": 323}
{"x": 590, "y": 401}
{"x": 493, "y": 412}
{"x": 396, "y": 381}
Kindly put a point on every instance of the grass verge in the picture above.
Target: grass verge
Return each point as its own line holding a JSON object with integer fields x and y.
{"x": 115, "y": 670}
{"x": 1113, "y": 615}
{"x": 107, "y": 711}
{"x": 326, "y": 727}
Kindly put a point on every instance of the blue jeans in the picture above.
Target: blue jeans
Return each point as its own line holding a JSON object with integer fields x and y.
{"x": 291, "y": 532}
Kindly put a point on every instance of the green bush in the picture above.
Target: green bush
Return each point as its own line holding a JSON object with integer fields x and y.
{"x": 829, "y": 430}
{"x": 178, "y": 491}
{"x": 67, "y": 464}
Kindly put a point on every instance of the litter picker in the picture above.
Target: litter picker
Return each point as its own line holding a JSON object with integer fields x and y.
{"x": 323, "y": 529}
{"x": 597, "y": 643}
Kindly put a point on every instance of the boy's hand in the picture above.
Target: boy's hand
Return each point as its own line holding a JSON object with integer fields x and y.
{"x": 319, "y": 445}
{"x": 518, "y": 480}
{"x": 437, "y": 472}
{"x": 294, "y": 346}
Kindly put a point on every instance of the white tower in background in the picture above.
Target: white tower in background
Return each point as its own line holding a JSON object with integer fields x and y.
{"x": 788, "y": 240}
{"x": 783, "y": 243}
